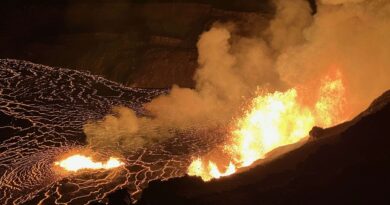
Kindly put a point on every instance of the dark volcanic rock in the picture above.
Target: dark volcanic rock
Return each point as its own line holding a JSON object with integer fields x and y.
{"x": 120, "y": 197}
{"x": 350, "y": 167}
{"x": 316, "y": 132}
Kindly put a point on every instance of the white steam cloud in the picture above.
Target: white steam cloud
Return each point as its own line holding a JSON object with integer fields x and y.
{"x": 350, "y": 35}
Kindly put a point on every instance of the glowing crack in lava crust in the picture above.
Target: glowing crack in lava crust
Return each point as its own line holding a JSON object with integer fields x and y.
{"x": 274, "y": 120}
{"x": 79, "y": 162}
{"x": 36, "y": 132}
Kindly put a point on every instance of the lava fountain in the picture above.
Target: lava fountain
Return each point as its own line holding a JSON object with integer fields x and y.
{"x": 273, "y": 120}
{"x": 78, "y": 162}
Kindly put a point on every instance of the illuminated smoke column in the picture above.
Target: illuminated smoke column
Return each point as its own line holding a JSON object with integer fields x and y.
{"x": 48, "y": 111}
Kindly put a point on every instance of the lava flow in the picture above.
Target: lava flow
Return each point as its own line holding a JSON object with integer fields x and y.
{"x": 273, "y": 120}
{"x": 78, "y": 162}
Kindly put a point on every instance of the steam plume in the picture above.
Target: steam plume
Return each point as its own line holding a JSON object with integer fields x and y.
{"x": 297, "y": 47}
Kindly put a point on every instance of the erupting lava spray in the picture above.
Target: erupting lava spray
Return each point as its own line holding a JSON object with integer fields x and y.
{"x": 274, "y": 120}
{"x": 296, "y": 48}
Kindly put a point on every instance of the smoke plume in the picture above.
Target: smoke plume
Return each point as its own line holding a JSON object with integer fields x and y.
{"x": 351, "y": 36}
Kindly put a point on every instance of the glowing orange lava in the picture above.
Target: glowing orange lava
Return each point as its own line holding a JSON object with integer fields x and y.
{"x": 274, "y": 120}
{"x": 78, "y": 162}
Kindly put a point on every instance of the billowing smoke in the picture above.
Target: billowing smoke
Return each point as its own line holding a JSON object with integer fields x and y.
{"x": 352, "y": 37}
{"x": 297, "y": 47}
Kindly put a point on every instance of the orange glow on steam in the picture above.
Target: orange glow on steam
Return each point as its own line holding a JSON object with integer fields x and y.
{"x": 274, "y": 120}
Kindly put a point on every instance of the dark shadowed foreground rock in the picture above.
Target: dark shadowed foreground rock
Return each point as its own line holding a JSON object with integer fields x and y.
{"x": 316, "y": 132}
{"x": 350, "y": 166}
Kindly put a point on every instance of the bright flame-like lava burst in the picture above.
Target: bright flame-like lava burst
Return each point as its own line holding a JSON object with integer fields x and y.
{"x": 274, "y": 120}
{"x": 78, "y": 162}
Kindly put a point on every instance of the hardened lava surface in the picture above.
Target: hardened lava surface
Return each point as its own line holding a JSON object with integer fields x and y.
{"x": 42, "y": 111}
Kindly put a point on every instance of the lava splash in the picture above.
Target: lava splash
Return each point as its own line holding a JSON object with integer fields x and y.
{"x": 78, "y": 162}
{"x": 41, "y": 126}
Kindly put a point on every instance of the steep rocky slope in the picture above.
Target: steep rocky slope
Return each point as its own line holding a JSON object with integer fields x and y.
{"x": 348, "y": 165}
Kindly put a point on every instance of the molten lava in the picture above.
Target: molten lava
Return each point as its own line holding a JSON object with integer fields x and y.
{"x": 274, "y": 120}
{"x": 78, "y": 162}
